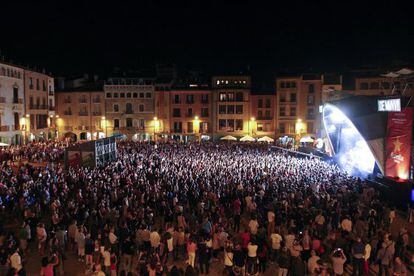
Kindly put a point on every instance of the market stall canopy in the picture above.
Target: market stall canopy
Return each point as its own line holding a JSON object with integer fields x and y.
{"x": 247, "y": 138}
{"x": 266, "y": 139}
{"x": 3, "y": 144}
{"x": 306, "y": 139}
{"x": 228, "y": 138}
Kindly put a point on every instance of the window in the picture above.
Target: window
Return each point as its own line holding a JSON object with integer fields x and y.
{"x": 282, "y": 97}
{"x": 203, "y": 127}
{"x": 260, "y": 103}
{"x": 239, "y": 109}
{"x": 116, "y": 123}
{"x": 282, "y": 111}
{"x": 260, "y": 114}
{"x": 189, "y": 112}
{"x": 239, "y": 96}
{"x": 239, "y": 125}
{"x": 223, "y": 97}
{"x": 128, "y": 95}
{"x": 311, "y": 99}
{"x": 222, "y": 124}
{"x": 141, "y": 124}
{"x": 128, "y": 122}
{"x": 311, "y": 113}
{"x": 31, "y": 83}
{"x": 116, "y": 95}
{"x": 222, "y": 109}
{"x": 293, "y": 97}
{"x": 122, "y": 95}
{"x": 128, "y": 108}
{"x": 176, "y": 99}
{"x": 176, "y": 112}
{"x": 204, "y": 98}
{"x": 141, "y": 108}
{"x": 116, "y": 108}
{"x": 189, "y": 99}
{"x": 230, "y": 109}
{"x": 230, "y": 96}
{"x": 282, "y": 128}
{"x": 267, "y": 114}
{"x": 311, "y": 88}
{"x": 267, "y": 104}
{"x": 135, "y": 95}
{"x": 230, "y": 124}
{"x": 190, "y": 127}
{"x": 310, "y": 127}
{"x": 141, "y": 95}
{"x": 374, "y": 85}
{"x": 31, "y": 102}
{"x": 363, "y": 86}
{"x": 178, "y": 127}
{"x": 204, "y": 112}
{"x": 292, "y": 111}
{"x": 287, "y": 84}
{"x": 108, "y": 95}
{"x": 15, "y": 95}
{"x": 259, "y": 127}
{"x": 37, "y": 84}
{"x": 16, "y": 121}
{"x": 148, "y": 95}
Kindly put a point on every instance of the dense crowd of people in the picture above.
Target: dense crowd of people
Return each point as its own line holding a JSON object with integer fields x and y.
{"x": 239, "y": 207}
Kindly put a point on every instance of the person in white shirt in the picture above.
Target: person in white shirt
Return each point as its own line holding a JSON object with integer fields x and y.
{"x": 228, "y": 260}
{"x": 106, "y": 255}
{"x": 276, "y": 239}
{"x": 16, "y": 261}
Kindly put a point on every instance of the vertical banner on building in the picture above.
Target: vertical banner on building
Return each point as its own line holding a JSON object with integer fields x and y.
{"x": 398, "y": 144}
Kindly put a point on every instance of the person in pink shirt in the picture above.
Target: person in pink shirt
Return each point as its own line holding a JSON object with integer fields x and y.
{"x": 191, "y": 251}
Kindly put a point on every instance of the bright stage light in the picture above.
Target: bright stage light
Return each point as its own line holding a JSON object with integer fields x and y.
{"x": 350, "y": 148}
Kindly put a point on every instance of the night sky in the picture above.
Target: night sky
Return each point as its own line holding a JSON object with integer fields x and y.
{"x": 209, "y": 35}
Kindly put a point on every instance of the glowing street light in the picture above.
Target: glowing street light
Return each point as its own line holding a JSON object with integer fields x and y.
{"x": 252, "y": 120}
{"x": 156, "y": 126}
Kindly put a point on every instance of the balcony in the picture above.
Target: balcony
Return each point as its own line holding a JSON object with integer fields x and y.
{"x": 188, "y": 115}
{"x": 265, "y": 118}
{"x": 67, "y": 112}
{"x": 310, "y": 117}
{"x": 97, "y": 113}
{"x": 17, "y": 101}
{"x": 51, "y": 108}
{"x": 2, "y": 99}
{"x": 96, "y": 100}
{"x": 51, "y": 93}
{"x": 83, "y": 113}
{"x": 83, "y": 101}
{"x": 67, "y": 100}
{"x": 129, "y": 112}
{"x": 4, "y": 128}
{"x": 180, "y": 130}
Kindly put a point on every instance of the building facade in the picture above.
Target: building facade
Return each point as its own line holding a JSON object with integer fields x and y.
{"x": 297, "y": 105}
{"x": 39, "y": 105}
{"x": 190, "y": 110}
{"x": 231, "y": 106}
{"x": 80, "y": 115}
{"x": 13, "y": 124}
{"x": 262, "y": 110}
{"x": 130, "y": 108}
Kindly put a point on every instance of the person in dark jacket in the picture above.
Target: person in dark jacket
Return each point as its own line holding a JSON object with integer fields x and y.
{"x": 284, "y": 262}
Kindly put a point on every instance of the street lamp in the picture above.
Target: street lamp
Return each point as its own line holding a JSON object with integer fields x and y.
{"x": 104, "y": 122}
{"x": 196, "y": 126}
{"x": 252, "y": 119}
{"x": 299, "y": 126}
{"x": 156, "y": 126}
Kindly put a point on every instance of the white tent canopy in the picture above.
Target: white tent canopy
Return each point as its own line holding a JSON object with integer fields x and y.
{"x": 228, "y": 138}
{"x": 266, "y": 139}
{"x": 3, "y": 144}
{"x": 307, "y": 139}
{"x": 247, "y": 138}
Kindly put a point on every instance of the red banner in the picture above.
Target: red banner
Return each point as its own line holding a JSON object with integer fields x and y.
{"x": 398, "y": 144}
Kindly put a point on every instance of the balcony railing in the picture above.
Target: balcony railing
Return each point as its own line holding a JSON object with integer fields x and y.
{"x": 83, "y": 113}
{"x": 17, "y": 101}
{"x": 51, "y": 93}
{"x": 4, "y": 128}
{"x": 67, "y": 112}
{"x": 83, "y": 101}
{"x": 129, "y": 112}
{"x": 96, "y": 100}
{"x": 97, "y": 113}
{"x": 265, "y": 118}
{"x": 51, "y": 108}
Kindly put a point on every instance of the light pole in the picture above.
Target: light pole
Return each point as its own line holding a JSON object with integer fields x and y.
{"x": 196, "y": 126}
{"x": 298, "y": 129}
{"x": 252, "y": 119}
{"x": 104, "y": 122}
{"x": 156, "y": 125}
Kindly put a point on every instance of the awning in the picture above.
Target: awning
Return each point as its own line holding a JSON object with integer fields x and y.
{"x": 306, "y": 139}
{"x": 266, "y": 139}
{"x": 228, "y": 138}
{"x": 247, "y": 138}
